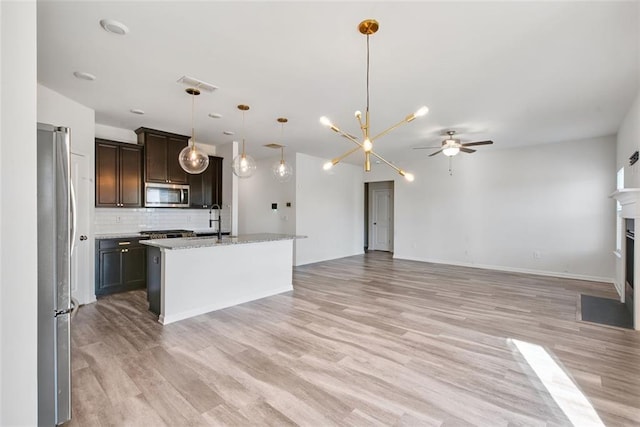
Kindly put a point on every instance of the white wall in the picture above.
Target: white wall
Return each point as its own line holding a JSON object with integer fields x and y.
{"x": 56, "y": 109}
{"x": 229, "y": 184}
{"x": 257, "y": 193}
{"x": 628, "y": 142}
{"x": 18, "y": 217}
{"x": 115, "y": 134}
{"x": 329, "y": 210}
{"x": 541, "y": 209}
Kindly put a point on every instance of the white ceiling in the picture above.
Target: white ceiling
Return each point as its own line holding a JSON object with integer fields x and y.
{"x": 519, "y": 73}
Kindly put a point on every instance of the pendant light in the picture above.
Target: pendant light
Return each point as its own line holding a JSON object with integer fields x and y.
{"x": 281, "y": 170}
{"x": 191, "y": 159}
{"x": 369, "y": 27}
{"x": 243, "y": 165}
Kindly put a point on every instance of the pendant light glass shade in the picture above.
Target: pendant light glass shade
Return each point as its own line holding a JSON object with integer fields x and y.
{"x": 192, "y": 160}
{"x": 243, "y": 165}
{"x": 281, "y": 170}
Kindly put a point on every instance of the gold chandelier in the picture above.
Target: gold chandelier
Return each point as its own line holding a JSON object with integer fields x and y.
{"x": 369, "y": 27}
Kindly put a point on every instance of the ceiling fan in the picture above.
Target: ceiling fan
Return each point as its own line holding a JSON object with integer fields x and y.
{"x": 451, "y": 146}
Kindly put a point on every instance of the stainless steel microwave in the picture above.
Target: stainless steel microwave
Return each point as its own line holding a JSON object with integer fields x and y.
{"x": 166, "y": 195}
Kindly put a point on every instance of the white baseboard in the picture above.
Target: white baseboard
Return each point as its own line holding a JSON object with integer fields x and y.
{"x": 516, "y": 270}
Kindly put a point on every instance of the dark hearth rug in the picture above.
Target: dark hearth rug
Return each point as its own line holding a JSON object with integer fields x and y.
{"x": 605, "y": 311}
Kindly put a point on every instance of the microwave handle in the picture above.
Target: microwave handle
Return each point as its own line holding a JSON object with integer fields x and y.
{"x": 182, "y": 193}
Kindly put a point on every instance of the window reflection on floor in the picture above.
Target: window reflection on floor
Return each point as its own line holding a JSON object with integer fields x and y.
{"x": 562, "y": 389}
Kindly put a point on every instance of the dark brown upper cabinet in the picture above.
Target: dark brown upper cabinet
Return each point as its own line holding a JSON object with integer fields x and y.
{"x": 206, "y": 187}
{"x": 161, "y": 151}
{"x": 118, "y": 174}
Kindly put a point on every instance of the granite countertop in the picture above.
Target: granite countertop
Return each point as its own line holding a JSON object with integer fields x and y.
{"x": 210, "y": 241}
{"x": 136, "y": 234}
{"x": 131, "y": 235}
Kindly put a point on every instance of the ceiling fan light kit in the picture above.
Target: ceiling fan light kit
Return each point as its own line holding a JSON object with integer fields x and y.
{"x": 367, "y": 28}
{"x": 451, "y": 146}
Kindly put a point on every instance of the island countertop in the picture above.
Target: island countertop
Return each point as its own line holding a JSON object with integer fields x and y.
{"x": 209, "y": 241}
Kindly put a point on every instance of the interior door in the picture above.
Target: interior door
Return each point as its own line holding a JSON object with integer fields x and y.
{"x": 381, "y": 220}
{"x": 81, "y": 266}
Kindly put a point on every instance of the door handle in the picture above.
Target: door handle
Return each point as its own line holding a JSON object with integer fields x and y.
{"x": 83, "y": 237}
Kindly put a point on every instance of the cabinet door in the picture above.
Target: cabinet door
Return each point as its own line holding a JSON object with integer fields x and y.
{"x": 156, "y": 158}
{"x": 134, "y": 267}
{"x": 130, "y": 176}
{"x": 175, "y": 173}
{"x": 196, "y": 188}
{"x": 215, "y": 164}
{"x": 110, "y": 271}
{"x": 106, "y": 175}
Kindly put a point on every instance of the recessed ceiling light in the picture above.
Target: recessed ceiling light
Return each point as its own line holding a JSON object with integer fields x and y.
{"x": 215, "y": 115}
{"x": 84, "y": 76}
{"x": 137, "y": 111}
{"x": 115, "y": 27}
{"x": 228, "y": 132}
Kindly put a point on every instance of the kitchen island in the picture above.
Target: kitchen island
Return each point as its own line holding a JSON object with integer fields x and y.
{"x": 195, "y": 275}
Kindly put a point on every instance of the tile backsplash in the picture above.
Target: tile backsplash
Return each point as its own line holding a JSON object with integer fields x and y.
{"x": 121, "y": 220}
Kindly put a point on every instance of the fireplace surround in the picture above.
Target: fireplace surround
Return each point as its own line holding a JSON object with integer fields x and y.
{"x": 628, "y": 259}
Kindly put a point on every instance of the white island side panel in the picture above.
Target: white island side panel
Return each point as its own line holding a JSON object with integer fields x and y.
{"x": 200, "y": 280}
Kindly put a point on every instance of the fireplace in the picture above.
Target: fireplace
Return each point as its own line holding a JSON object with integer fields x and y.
{"x": 629, "y": 256}
{"x": 627, "y": 260}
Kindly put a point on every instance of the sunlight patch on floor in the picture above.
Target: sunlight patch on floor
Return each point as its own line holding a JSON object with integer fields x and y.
{"x": 562, "y": 389}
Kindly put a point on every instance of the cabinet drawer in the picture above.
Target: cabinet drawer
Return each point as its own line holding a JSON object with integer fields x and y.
{"x": 118, "y": 243}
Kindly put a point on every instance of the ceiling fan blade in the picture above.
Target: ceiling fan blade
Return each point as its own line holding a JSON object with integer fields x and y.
{"x": 467, "y": 150}
{"x": 433, "y": 154}
{"x": 471, "y": 144}
{"x": 425, "y": 148}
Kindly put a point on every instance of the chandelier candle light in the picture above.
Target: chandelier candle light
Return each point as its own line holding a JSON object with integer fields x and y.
{"x": 243, "y": 165}
{"x": 282, "y": 171}
{"x": 191, "y": 159}
{"x": 369, "y": 27}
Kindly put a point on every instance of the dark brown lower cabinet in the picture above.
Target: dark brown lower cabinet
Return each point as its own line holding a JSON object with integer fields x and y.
{"x": 121, "y": 265}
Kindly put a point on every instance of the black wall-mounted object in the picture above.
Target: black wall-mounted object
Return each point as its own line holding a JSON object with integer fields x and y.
{"x": 288, "y": 204}
{"x": 633, "y": 159}
{"x": 274, "y": 206}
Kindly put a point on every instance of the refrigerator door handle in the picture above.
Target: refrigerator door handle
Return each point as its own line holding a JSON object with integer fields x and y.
{"x": 73, "y": 218}
{"x": 74, "y": 307}
{"x": 62, "y": 312}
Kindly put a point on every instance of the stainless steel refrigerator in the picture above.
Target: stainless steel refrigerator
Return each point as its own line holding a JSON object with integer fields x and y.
{"x": 55, "y": 229}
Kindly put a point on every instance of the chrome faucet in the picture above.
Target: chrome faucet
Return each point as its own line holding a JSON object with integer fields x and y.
{"x": 219, "y": 220}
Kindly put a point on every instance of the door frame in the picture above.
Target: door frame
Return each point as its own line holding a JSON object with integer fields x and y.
{"x": 82, "y": 257}
{"x": 370, "y": 188}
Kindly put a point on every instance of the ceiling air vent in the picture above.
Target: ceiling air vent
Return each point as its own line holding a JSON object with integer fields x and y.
{"x": 274, "y": 145}
{"x": 198, "y": 84}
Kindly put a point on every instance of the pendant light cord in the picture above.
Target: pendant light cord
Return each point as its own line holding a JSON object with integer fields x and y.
{"x": 243, "y": 135}
{"x": 367, "y": 73}
{"x": 193, "y": 109}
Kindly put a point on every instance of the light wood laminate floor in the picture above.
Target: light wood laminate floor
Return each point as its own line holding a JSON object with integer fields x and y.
{"x": 364, "y": 340}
